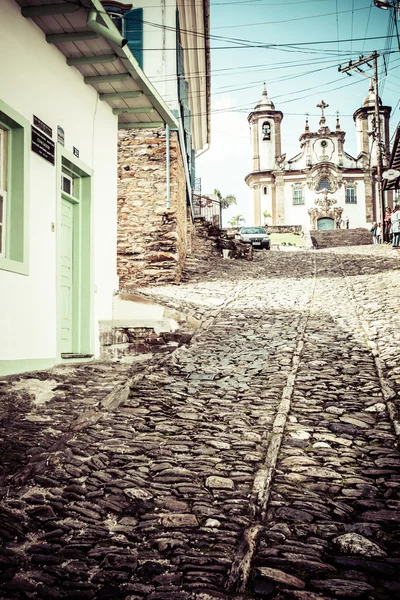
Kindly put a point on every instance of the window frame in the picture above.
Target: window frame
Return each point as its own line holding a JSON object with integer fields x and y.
{"x": 15, "y": 255}
{"x": 298, "y": 187}
{"x": 354, "y": 190}
{"x": 320, "y": 189}
{"x": 4, "y": 150}
{"x": 266, "y": 136}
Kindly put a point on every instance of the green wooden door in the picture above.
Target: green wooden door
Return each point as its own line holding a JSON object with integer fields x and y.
{"x": 325, "y": 224}
{"x": 67, "y": 213}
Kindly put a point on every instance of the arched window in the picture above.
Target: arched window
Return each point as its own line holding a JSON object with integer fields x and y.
{"x": 351, "y": 197}
{"x": 266, "y": 131}
{"x": 298, "y": 197}
{"x": 265, "y": 190}
{"x": 324, "y": 184}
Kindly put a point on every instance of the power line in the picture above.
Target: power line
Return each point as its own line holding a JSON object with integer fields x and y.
{"x": 307, "y": 18}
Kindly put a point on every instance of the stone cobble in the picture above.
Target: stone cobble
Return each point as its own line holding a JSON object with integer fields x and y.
{"x": 259, "y": 461}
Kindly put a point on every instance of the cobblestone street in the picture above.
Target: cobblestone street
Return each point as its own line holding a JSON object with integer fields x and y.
{"x": 275, "y": 476}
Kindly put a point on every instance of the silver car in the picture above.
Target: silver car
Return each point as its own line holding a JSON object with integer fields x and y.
{"x": 256, "y": 236}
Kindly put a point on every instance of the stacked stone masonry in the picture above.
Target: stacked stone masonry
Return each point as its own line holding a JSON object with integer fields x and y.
{"x": 279, "y": 478}
{"x": 341, "y": 237}
{"x": 152, "y": 237}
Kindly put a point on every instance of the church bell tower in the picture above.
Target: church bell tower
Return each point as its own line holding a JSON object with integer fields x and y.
{"x": 364, "y": 119}
{"x": 265, "y": 135}
{"x": 265, "y": 131}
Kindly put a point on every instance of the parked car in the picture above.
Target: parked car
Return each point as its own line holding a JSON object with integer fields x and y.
{"x": 258, "y": 237}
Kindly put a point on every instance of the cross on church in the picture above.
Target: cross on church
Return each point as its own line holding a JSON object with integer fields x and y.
{"x": 322, "y": 106}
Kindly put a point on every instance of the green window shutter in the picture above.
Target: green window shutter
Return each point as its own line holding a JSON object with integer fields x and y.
{"x": 134, "y": 33}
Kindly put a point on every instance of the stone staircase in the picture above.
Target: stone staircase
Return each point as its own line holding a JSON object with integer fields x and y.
{"x": 341, "y": 237}
{"x": 141, "y": 326}
{"x": 123, "y": 340}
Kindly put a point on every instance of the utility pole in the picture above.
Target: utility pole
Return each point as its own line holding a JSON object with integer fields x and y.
{"x": 377, "y": 127}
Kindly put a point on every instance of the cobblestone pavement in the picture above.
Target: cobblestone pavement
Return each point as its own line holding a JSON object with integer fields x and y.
{"x": 276, "y": 476}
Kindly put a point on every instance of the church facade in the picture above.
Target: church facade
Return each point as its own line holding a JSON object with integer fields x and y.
{"x": 322, "y": 184}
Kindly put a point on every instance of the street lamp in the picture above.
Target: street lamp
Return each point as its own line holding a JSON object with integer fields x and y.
{"x": 385, "y": 5}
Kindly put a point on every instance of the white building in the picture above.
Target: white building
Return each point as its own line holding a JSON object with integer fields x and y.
{"x": 322, "y": 183}
{"x": 170, "y": 41}
{"x": 68, "y": 82}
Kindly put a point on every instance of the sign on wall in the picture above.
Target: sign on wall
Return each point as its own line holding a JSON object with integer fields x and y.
{"x": 42, "y": 126}
{"x": 60, "y": 135}
{"x": 43, "y": 145}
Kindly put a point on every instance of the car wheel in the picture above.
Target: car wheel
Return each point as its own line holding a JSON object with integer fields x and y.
{"x": 267, "y": 247}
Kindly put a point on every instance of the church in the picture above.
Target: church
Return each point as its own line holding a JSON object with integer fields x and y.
{"x": 322, "y": 185}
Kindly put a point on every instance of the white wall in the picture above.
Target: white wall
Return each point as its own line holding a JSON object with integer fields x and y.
{"x": 159, "y": 36}
{"x": 298, "y": 214}
{"x": 37, "y": 81}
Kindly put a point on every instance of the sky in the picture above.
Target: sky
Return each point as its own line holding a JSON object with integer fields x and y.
{"x": 295, "y": 47}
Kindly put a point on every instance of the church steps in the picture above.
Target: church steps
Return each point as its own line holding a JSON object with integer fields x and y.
{"x": 359, "y": 236}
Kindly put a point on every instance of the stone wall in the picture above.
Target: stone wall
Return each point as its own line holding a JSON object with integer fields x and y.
{"x": 284, "y": 228}
{"x": 341, "y": 237}
{"x": 151, "y": 237}
{"x": 205, "y": 239}
{"x": 127, "y": 341}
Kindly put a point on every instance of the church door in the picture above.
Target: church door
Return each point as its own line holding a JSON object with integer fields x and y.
{"x": 325, "y": 224}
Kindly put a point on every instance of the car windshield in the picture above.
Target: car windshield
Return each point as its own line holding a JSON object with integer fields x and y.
{"x": 252, "y": 230}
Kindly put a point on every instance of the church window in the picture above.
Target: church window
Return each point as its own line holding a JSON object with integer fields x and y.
{"x": 266, "y": 131}
{"x": 324, "y": 184}
{"x": 298, "y": 194}
{"x": 351, "y": 194}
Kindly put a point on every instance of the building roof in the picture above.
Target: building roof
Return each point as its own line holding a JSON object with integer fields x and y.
{"x": 91, "y": 43}
{"x": 369, "y": 99}
{"x": 265, "y": 103}
{"x": 194, "y": 16}
{"x": 394, "y": 184}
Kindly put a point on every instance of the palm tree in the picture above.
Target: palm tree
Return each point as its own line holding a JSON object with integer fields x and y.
{"x": 266, "y": 216}
{"x": 235, "y": 221}
{"x": 225, "y": 200}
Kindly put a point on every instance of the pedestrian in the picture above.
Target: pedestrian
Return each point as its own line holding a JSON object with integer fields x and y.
{"x": 346, "y": 222}
{"x": 395, "y": 220}
{"x": 373, "y": 231}
{"x": 378, "y": 233}
{"x": 338, "y": 223}
{"x": 387, "y": 225}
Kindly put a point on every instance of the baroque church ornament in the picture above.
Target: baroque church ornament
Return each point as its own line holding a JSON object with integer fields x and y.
{"x": 321, "y": 167}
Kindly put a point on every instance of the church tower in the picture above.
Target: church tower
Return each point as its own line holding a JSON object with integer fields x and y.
{"x": 364, "y": 118}
{"x": 265, "y": 135}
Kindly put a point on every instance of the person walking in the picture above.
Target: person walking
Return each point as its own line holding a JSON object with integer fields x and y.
{"x": 395, "y": 220}
{"x": 373, "y": 231}
{"x": 387, "y": 225}
{"x": 378, "y": 233}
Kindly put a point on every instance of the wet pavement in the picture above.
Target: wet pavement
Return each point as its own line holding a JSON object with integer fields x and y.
{"x": 259, "y": 461}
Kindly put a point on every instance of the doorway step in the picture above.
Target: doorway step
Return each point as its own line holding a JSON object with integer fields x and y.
{"x": 359, "y": 236}
{"x": 141, "y": 326}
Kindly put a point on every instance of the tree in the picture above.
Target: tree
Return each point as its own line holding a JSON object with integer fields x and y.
{"x": 235, "y": 221}
{"x": 266, "y": 216}
{"x": 225, "y": 200}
